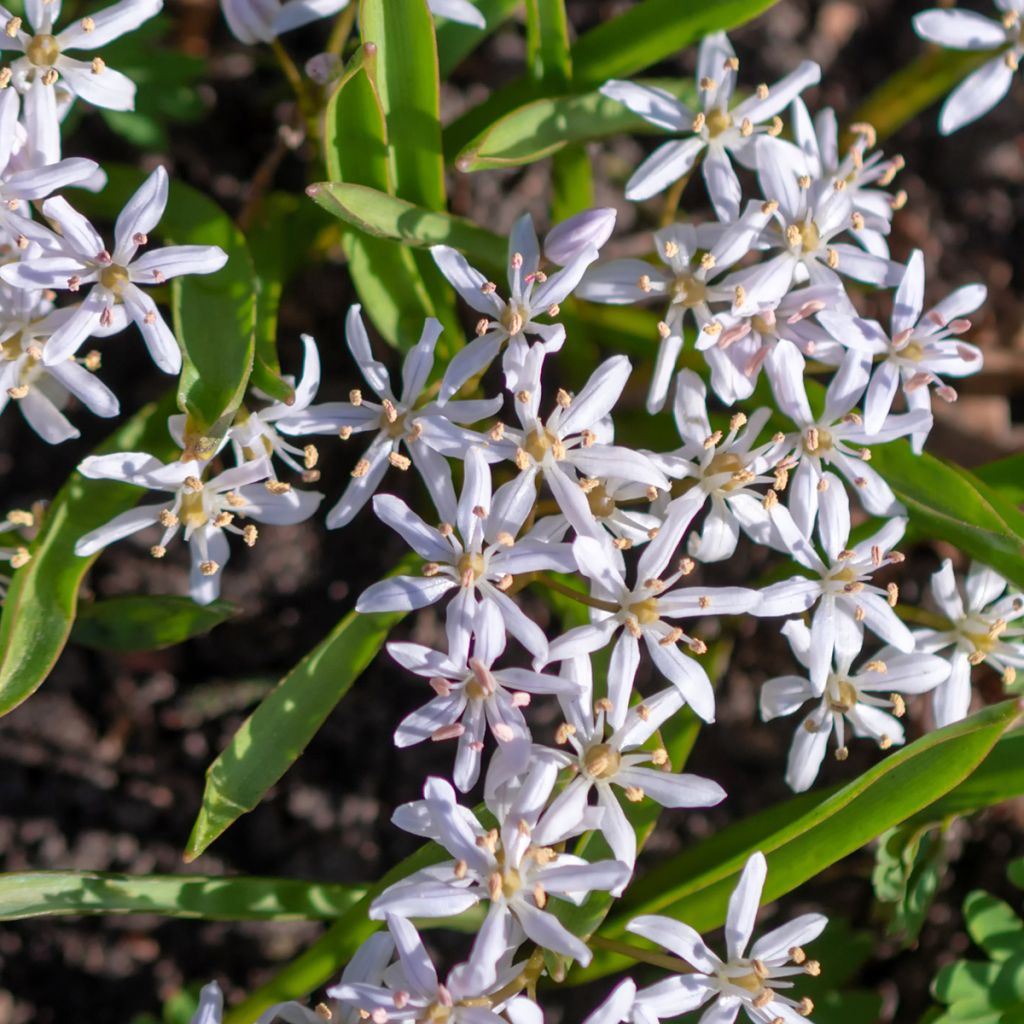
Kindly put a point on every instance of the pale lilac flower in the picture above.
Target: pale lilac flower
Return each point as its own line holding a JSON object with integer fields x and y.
{"x": 369, "y": 965}
{"x": 919, "y": 351}
{"x": 472, "y": 697}
{"x": 426, "y": 429}
{"x": 570, "y": 448}
{"x": 211, "y": 1009}
{"x": 645, "y": 611}
{"x": 837, "y": 438}
{"x": 720, "y": 129}
{"x": 257, "y": 435}
{"x": 39, "y": 391}
{"x": 205, "y": 511}
{"x": 695, "y": 257}
{"x": 839, "y": 588}
{"x": 860, "y": 171}
{"x": 868, "y": 700}
{"x": 738, "y": 344}
{"x": 809, "y": 215}
{"x": 979, "y": 631}
{"x": 618, "y": 1007}
{"x": 589, "y": 229}
{"x": 115, "y": 277}
{"x": 477, "y": 557}
{"x": 532, "y": 293}
{"x": 45, "y": 62}
{"x": 411, "y": 991}
{"x": 503, "y": 866}
{"x": 20, "y": 186}
{"x": 600, "y": 762}
{"x": 981, "y": 90}
{"x": 720, "y": 470}
{"x": 754, "y": 981}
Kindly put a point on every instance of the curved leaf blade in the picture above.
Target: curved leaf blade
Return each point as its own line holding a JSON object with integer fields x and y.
{"x": 149, "y": 623}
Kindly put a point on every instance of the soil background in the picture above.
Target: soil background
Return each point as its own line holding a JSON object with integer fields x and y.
{"x": 103, "y": 768}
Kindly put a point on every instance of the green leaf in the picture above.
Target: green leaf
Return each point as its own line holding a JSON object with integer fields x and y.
{"x": 543, "y": 127}
{"x": 1005, "y": 476}
{"x": 804, "y": 836}
{"x": 205, "y": 897}
{"x": 949, "y": 503}
{"x": 214, "y": 314}
{"x": 42, "y": 599}
{"x": 147, "y": 623}
{"x": 994, "y": 925}
{"x": 383, "y": 216}
{"x": 916, "y": 86}
{"x": 645, "y": 34}
{"x": 271, "y": 739}
{"x": 548, "y": 59}
{"x": 908, "y": 868}
{"x": 974, "y": 988}
{"x": 385, "y": 274}
{"x": 456, "y": 41}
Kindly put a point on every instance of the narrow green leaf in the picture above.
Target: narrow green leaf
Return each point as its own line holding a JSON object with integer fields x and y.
{"x": 646, "y": 33}
{"x": 149, "y": 623}
{"x": 385, "y": 274}
{"x": 1005, "y": 476}
{"x": 950, "y": 503}
{"x": 204, "y": 897}
{"x": 407, "y": 82}
{"x": 547, "y": 44}
{"x": 456, "y": 41}
{"x": 804, "y": 836}
{"x": 271, "y": 739}
{"x": 916, "y": 86}
{"x": 42, "y": 599}
{"x": 543, "y": 127}
{"x": 383, "y": 216}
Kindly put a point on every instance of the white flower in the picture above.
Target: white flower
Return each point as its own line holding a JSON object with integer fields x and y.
{"x": 19, "y": 186}
{"x": 600, "y": 762}
{"x": 477, "y": 556}
{"x": 257, "y": 435}
{"x": 205, "y": 511}
{"x": 39, "y": 391}
{"x": 503, "y": 865}
{"x": 722, "y": 470}
{"x": 809, "y": 215}
{"x": 45, "y": 62}
{"x": 115, "y": 277}
{"x": 261, "y": 21}
{"x": 645, "y": 611}
{"x": 979, "y": 631}
{"x": 589, "y": 229}
{"x": 754, "y": 981}
{"x": 532, "y": 293}
{"x": 720, "y": 130}
{"x": 570, "y": 448}
{"x": 739, "y": 343}
{"x": 425, "y": 428}
{"x": 473, "y": 696}
{"x": 919, "y": 351}
{"x": 693, "y": 257}
{"x": 839, "y": 589}
{"x": 829, "y": 439}
{"x": 848, "y": 696}
{"x": 211, "y": 1007}
{"x": 859, "y": 171}
{"x": 410, "y": 989}
{"x": 981, "y": 90}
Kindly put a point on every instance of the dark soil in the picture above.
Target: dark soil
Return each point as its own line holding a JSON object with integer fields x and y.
{"x": 103, "y": 768}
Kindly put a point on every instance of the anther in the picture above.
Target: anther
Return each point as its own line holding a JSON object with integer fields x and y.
{"x": 892, "y": 594}
{"x": 634, "y": 794}
{"x": 98, "y": 65}
{"x": 842, "y": 753}
{"x": 766, "y": 996}
{"x": 899, "y": 705}
{"x": 13, "y": 27}
{"x": 277, "y": 486}
{"x": 355, "y": 396}
{"x": 209, "y": 568}
{"x": 399, "y": 461}
{"x": 250, "y": 535}
{"x": 813, "y": 968}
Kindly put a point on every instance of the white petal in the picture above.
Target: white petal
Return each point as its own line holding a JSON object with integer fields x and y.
{"x": 959, "y": 30}
{"x": 654, "y": 105}
{"x": 403, "y": 593}
{"x": 667, "y": 164}
{"x": 743, "y": 905}
{"x": 977, "y": 94}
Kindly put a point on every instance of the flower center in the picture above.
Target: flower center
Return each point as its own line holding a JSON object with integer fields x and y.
{"x": 982, "y": 641}
{"x": 725, "y": 462}
{"x": 688, "y": 291}
{"x": 43, "y": 50}
{"x": 436, "y": 1013}
{"x": 514, "y": 317}
{"x": 471, "y": 565}
{"x": 539, "y": 443}
{"x": 806, "y": 237}
{"x": 761, "y": 326}
{"x": 395, "y": 427}
{"x": 845, "y": 575}
{"x": 717, "y": 122}
{"x": 602, "y": 504}
{"x": 646, "y": 611}
{"x": 913, "y": 350}
{"x": 474, "y": 691}
{"x": 192, "y": 513}
{"x": 842, "y": 696}
{"x": 601, "y": 761}
{"x": 511, "y": 883}
{"x": 752, "y": 982}
{"x": 817, "y": 440}
{"x": 114, "y": 277}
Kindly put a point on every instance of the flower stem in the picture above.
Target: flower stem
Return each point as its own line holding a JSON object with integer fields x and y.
{"x": 306, "y": 102}
{"x": 577, "y": 595}
{"x": 645, "y": 956}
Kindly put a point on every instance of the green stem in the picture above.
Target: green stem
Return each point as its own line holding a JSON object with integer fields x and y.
{"x": 307, "y": 104}
{"x": 576, "y": 595}
{"x": 644, "y": 956}
{"x": 672, "y": 200}
{"x": 922, "y": 617}
{"x": 341, "y": 30}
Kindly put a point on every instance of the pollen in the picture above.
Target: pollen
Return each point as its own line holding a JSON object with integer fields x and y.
{"x": 209, "y": 568}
